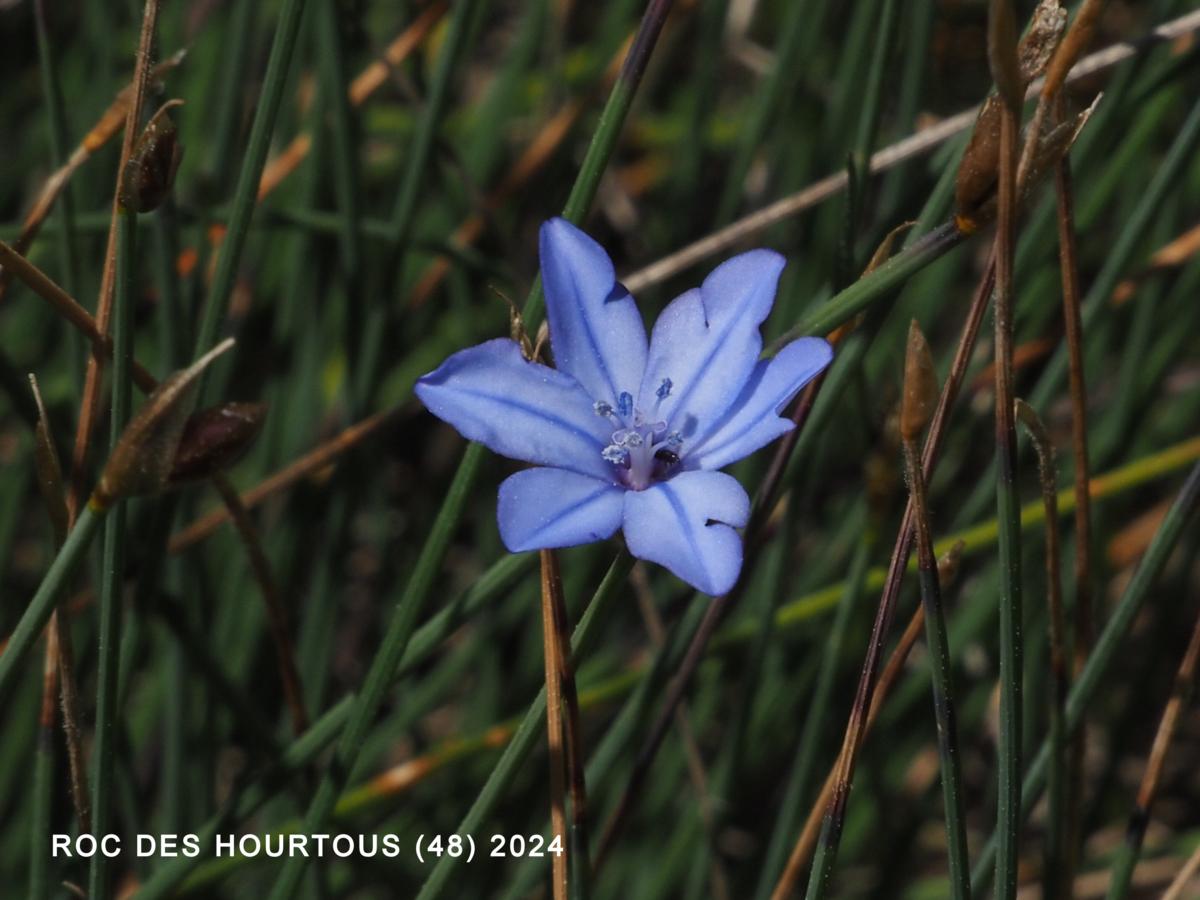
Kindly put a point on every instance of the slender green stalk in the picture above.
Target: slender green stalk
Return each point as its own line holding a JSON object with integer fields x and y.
{"x": 67, "y": 237}
{"x": 245, "y": 194}
{"x": 43, "y": 777}
{"x": 413, "y": 183}
{"x": 113, "y": 562}
{"x": 54, "y": 584}
{"x": 1107, "y": 645}
{"x": 844, "y": 306}
{"x": 943, "y": 691}
{"x": 604, "y": 139}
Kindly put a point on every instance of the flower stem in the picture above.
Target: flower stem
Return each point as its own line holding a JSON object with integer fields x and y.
{"x": 552, "y": 584}
{"x": 526, "y": 734}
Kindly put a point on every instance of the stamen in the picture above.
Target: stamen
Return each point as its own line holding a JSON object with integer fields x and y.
{"x": 601, "y": 408}
{"x": 674, "y": 440}
{"x": 664, "y": 389}
{"x": 625, "y": 404}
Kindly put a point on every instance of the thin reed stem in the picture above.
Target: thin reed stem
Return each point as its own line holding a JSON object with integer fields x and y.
{"x": 1055, "y": 869}
{"x": 1072, "y": 298}
{"x": 113, "y": 564}
{"x": 258, "y": 144}
{"x": 920, "y": 385}
{"x": 1002, "y": 59}
{"x": 1108, "y": 643}
{"x": 943, "y": 692}
{"x": 578, "y": 858}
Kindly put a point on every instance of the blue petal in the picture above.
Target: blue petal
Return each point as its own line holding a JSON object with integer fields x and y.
{"x": 517, "y": 408}
{"x": 543, "y": 508}
{"x": 706, "y": 342}
{"x": 684, "y": 524}
{"x": 753, "y": 420}
{"x": 596, "y": 331}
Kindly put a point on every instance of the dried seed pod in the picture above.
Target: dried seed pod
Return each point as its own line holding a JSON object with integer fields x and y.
{"x": 949, "y": 561}
{"x": 144, "y": 455}
{"x": 920, "y": 386}
{"x": 214, "y": 439}
{"x": 150, "y": 171}
{"x": 977, "y": 173}
{"x": 1053, "y": 144}
{"x": 1041, "y": 39}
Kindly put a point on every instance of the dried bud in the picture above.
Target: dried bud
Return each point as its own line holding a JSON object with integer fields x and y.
{"x": 49, "y": 470}
{"x": 1041, "y": 39}
{"x": 145, "y": 453}
{"x": 214, "y": 439}
{"x": 1002, "y": 53}
{"x": 948, "y": 563}
{"x": 977, "y": 173}
{"x": 920, "y": 386}
{"x": 150, "y": 171}
{"x": 1053, "y": 144}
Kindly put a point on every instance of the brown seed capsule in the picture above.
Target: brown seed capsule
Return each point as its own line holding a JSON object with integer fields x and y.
{"x": 949, "y": 561}
{"x": 214, "y": 439}
{"x": 920, "y": 386}
{"x": 977, "y": 173}
{"x": 144, "y": 456}
{"x": 150, "y": 171}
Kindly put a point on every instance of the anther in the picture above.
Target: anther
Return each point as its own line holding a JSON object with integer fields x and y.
{"x": 616, "y": 455}
{"x": 625, "y": 403}
{"x": 601, "y": 408}
{"x": 664, "y": 389}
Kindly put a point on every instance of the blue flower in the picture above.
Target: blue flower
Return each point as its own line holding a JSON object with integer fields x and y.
{"x": 626, "y": 433}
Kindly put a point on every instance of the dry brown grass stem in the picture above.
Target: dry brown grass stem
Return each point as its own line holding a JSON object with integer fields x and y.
{"x": 882, "y": 160}
{"x": 1182, "y": 879}
{"x": 548, "y": 139}
{"x": 90, "y": 405}
{"x": 361, "y": 88}
{"x": 101, "y": 133}
{"x": 312, "y": 462}
{"x": 1181, "y": 695}
{"x": 67, "y": 307}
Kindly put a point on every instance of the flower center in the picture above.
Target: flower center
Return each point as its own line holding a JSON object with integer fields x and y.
{"x": 642, "y": 452}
